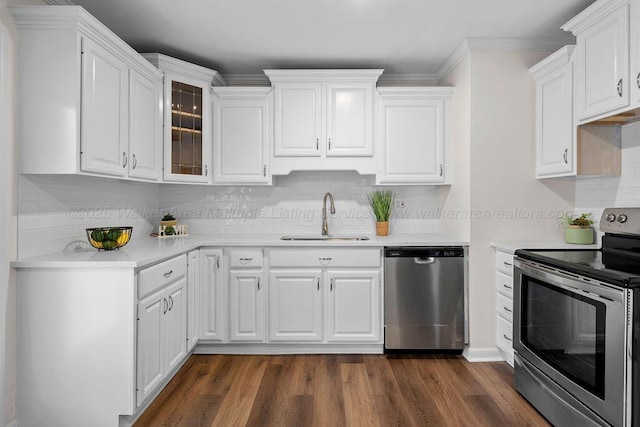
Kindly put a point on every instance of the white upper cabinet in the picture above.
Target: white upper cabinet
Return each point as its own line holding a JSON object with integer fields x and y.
{"x": 241, "y": 135}
{"x": 555, "y": 132}
{"x": 602, "y": 59}
{"x": 414, "y": 135}
{"x": 298, "y": 120}
{"x": 323, "y": 120}
{"x": 349, "y": 119}
{"x": 187, "y": 118}
{"x": 145, "y": 127}
{"x": 104, "y": 110}
{"x": 95, "y": 109}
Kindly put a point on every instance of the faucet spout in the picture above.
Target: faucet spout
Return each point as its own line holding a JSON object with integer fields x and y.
{"x": 325, "y": 226}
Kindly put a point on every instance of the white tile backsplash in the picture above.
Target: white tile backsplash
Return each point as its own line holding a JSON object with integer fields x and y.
{"x": 294, "y": 205}
{"x": 594, "y": 194}
{"x": 55, "y": 210}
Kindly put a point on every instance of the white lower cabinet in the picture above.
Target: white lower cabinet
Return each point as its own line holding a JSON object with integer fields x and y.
{"x": 162, "y": 324}
{"x": 212, "y": 303}
{"x": 354, "y": 309}
{"x": 247, "y": 306}
{"x": 504, "y": 304}
{"x": 330, "y": 295}
{"x": 247, "y": 299}
{"x": 193, "y": 289}
{"x": 295, "y": 305}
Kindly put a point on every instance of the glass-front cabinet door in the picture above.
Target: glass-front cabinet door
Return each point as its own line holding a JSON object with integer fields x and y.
{"x": 188, "y": 139}
{"x": 187, "y": 118}
{"x": 186, "y": 129}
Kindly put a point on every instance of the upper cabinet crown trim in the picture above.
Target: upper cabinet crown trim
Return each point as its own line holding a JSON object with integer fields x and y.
{"x": 185, "y": 68}
{"x": 239, "y": 92}
{"x": 554, "y": 61}
{"x": 592, "y": 14}
{"x": 350, "y": 75}
{"x": 417, "y": 92}
{"x": 77, "y": 18}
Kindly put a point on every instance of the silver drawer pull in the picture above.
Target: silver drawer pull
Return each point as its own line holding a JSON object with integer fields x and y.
{"x": 258, "y": 283}
{"x": 246, "y": 259}
{"x": 507, "y": 310}
{"x": 168, "y": 274}
{"x": 325, "y": 259}
{"x": 507, "y": 263}
{"x": 506, "y": 337}
{"x": 508, "y": 287}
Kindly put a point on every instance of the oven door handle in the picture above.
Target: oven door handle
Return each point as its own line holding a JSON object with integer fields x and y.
{"x": 594, "y": 291}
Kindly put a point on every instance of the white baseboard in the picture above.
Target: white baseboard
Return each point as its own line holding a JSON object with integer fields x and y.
{"x": 208, "y": 348}
{"x": 491, "y": 354}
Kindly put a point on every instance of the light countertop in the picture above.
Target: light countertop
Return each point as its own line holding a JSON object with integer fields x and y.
{"x": 144, "y": 251}
{"x": 512, "y": 246}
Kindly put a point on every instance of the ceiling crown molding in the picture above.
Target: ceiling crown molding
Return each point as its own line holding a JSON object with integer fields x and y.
{"x": 246, "y": 79}
{"x": 537, "y": 44}
{"x": 407, "y": 80}
{"x": 60, "y": 2}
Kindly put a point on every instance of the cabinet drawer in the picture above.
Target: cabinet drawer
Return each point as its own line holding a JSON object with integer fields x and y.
{"x": 246, "y": 258}
{"x": 331, "y": 257}
{"x": 504, "y": 307}
{"x": 504, "y": 262}
{"x": 156, "y": 277}
{"x": 504, "y": 284}
{"x": 504, "y": 333}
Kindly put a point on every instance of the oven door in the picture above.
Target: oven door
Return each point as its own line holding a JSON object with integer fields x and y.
{"x": 574, "y": 330}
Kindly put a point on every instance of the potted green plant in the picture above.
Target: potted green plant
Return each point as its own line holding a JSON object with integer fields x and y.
{"x": 578, "y": 229}
{"x": 168, "y": 220}
{"x": 381, "y": 202}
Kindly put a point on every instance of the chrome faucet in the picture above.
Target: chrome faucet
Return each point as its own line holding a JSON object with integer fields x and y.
{"x": 325, "y": 226}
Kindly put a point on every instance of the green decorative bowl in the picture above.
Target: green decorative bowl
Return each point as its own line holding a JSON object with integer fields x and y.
{"x": 579, "y": 235}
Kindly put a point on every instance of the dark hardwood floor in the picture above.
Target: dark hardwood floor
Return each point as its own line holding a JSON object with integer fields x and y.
{"x": 340, "y": 390}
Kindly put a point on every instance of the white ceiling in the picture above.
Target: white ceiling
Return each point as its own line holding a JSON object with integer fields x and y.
{"x": 401, "y": 36}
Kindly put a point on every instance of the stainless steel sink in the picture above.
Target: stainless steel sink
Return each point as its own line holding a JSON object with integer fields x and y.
{"x": 324, "y": 238}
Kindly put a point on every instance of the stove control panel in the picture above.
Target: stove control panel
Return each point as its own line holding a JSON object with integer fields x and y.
{"x": 621, "y": 221}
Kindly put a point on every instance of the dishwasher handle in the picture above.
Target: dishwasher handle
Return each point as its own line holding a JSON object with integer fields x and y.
{"x": 424, "y": 260}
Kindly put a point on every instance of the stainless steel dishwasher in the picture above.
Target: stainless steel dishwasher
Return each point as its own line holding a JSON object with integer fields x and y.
{"x": 424, "y": 298}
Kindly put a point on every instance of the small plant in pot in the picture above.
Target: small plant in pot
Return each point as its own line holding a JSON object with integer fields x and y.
{"x": 168, "y": 221}
{"x": 381, "y": 202}
{"x": 578, "y": 229}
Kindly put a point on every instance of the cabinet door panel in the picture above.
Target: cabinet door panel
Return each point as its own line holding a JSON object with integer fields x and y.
{"x": 150, "y": 363}
{"x": 240, "y": 141}
{"x": 554, "y": 124}
{"x": 187, "y": 130}
{"x": 193, "y": 289}
{"x": 349, "y": 120}
{"x": 212, "y": 313}
{"x": 247, "y": 306}
{"x": 603, "y": 61}
{"x": 176, "y": 323}
{"x": 354, "y": 306}
{"x": 145, "y": 123}
{"x": 104, "y": 111}
{"x": 298, "y": 120}
{"x": 295, "y": 305}
{"x": 413, "y": 135}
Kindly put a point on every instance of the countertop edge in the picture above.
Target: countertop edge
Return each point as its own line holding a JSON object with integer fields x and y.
{"x": 150, "y": 251}
{"x": 512, "y": 246}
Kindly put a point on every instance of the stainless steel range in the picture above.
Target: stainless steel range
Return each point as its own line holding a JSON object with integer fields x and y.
{"x": 575, "y": 329}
